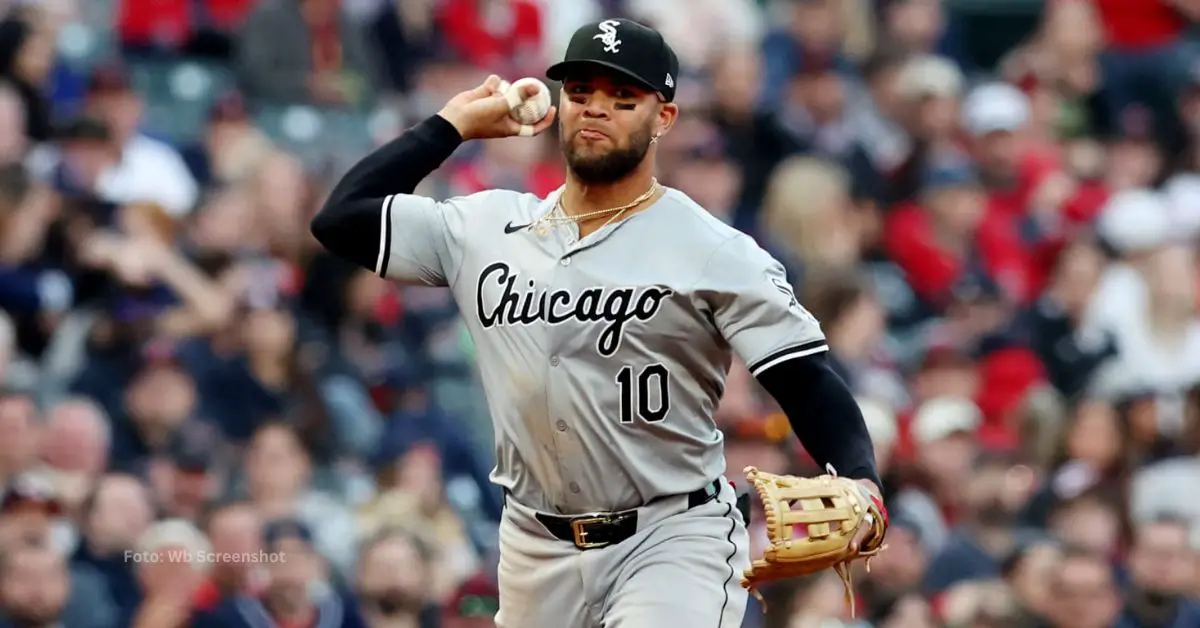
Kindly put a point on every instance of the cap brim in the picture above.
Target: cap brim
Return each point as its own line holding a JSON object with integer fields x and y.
{"x": 563, "y": 69}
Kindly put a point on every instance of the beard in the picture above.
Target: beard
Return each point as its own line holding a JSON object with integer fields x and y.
{"x": 1152, "y": 605}
{"x": 35, "y": 616}
{"x": 395, "y": 601}
{"x": 608, "y": 167}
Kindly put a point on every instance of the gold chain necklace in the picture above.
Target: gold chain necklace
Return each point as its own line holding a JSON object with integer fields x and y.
{"x": 558, "y": 215}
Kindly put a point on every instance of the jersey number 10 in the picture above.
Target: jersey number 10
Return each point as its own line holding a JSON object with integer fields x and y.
{"x": 637, "y": 393}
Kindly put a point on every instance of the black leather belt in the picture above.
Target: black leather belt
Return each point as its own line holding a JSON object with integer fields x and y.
{"x": 604, "y": 529}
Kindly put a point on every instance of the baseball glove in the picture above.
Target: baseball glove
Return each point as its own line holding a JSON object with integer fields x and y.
{"x": 811, "y": 523}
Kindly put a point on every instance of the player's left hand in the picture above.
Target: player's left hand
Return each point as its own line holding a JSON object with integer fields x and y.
{"x": 863, "y": 534}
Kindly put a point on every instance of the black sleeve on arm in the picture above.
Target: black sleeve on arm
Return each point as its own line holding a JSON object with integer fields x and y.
{"x": 350, "y": 222}
{"x": 824, "y": 415}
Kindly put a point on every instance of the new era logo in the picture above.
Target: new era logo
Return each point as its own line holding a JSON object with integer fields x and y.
{"x": 670, "y": 82}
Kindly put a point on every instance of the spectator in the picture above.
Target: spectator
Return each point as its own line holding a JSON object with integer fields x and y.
{"x": 906, "y": 610}
{"x": 170, "y": 567}
{"x": 1086, "y": 592}
{"x": 950, "y": 234}
{"x": 930, "y": 88}
{"x": 395, "y": 571}
{"x": 876, "y": 117}
{"x": 1056, "y": 322}
{"x": 699, "y": 27}
{"x": 941, "y": 430}
{"x": 115, "y": 516}
{"x": 161, "y": 396}
{"x": 501, "y": 35}
{"x": 26, "y": 57}
{"x": 854, "y": 323}
{"x": 231, "y": 147}
{"x": 1026, "y": 571}
{"x": 33, "y": 586}
{"x": 903, "y": 567}
{"x": 19, "y": 447}
{"x": 303, "y": 52}
{"x": 148, "y": 169}
{"x": 403, "y": 32}
{"x": 27, "y": 212}
{"x": 1092, "y": 521}
{"x": 816, "y": 226}
{"x": 474, "y": 605}
{"x": 809, "y": 32}
{"x": 278, "y": 482}
{"x": 30, "y": 509}
{"x": 189, "y": 471}
{"x": 298, "y": 588}
{"x": 1162, "y": 570}
{"x": 1142, "y": 63}
{"x": 411, "y": 493}
{"x": 75, "y": 445}
{"x": 200, "y": 28}
{"x": 235, "y": 530}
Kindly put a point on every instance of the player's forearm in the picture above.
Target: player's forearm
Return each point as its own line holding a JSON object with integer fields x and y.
{"x": 824, "y": 415}
{"x": 349, "y": 223}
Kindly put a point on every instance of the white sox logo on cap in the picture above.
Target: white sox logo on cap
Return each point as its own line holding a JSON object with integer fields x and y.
{"x": 608, "y": 35}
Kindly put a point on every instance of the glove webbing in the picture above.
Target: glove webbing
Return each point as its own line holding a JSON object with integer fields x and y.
{"x": 876, "y": 517}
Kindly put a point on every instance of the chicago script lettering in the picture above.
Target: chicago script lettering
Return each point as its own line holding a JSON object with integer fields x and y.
{"x": 529, "y": 305}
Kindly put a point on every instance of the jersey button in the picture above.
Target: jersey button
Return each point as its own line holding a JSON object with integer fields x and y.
{"x": 553, "y": 360}
{"x": 566, "y": 261}
{"x": 561, "y": 425}
{"x": 574, "y": 487}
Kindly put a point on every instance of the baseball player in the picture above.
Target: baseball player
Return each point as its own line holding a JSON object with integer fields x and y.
{"x": 605, "y": 317}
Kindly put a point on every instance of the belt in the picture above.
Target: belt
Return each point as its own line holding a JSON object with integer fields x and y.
{"x": 604, "y": 529}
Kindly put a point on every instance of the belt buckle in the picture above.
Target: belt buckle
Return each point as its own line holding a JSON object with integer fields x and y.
{"x": 580, "y": 534}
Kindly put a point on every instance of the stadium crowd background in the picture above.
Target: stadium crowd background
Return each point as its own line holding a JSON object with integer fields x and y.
{"x": 993, "y": 208}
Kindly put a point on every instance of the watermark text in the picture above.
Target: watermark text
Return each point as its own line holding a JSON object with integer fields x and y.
{"x": 192, "y": 556}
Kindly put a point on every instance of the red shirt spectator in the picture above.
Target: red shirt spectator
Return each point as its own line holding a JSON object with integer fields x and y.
{"x": 493, "y": 34}
{"x": 172, "y": 22}
{"x": 1139, "y": 24}
{"x": 916, "y": 241}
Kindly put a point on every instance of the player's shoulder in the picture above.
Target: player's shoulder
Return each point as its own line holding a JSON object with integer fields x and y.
{"x": 705, "y": 232}
{"x": 693, "y": 222}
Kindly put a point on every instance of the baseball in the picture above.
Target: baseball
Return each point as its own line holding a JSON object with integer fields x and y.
{"x": 528, "y": 111}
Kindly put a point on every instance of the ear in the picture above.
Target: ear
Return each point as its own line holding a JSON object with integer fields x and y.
{"x": 668, "y": 113}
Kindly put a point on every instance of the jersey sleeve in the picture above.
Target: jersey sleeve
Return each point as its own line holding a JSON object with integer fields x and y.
{"x": 372, "y": 217}
{"x": 755, "y": 307}
{"x": 419, "y": 238}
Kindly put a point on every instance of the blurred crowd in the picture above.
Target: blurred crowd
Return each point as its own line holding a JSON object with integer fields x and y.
{"x": 993, "y": 208}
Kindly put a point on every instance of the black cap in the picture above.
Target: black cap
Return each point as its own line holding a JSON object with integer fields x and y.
{"x": 84, "y": 129}
{"x": 193, "y": 448}
{"x": 274, "y": 532}
{"x": 631, "y": 49}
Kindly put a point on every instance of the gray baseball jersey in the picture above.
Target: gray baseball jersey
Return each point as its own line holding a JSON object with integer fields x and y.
{"x": 602, "y": 359}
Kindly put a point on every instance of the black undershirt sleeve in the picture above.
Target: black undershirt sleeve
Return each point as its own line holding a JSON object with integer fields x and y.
{"x": 349, "y": 223}
{"x": 824, "y": 415}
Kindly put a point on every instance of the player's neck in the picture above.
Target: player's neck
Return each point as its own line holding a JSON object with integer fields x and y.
{"x": 582, "y": 198}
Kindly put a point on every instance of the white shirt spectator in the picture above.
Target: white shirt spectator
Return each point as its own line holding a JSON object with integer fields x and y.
{"x": 150, "y": 171}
